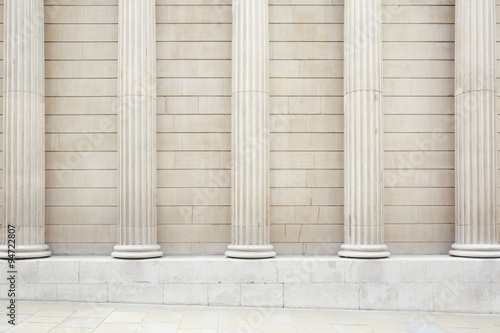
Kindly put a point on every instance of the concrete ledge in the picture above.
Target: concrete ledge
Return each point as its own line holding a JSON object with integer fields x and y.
{"x": 413, "y": 283}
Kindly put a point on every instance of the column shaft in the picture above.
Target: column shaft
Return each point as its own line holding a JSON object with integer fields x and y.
{"x": 475, "y": 130}
{"x": 24, "y": 128}
{"x": 137, "y": 131}
{"x": 250, "y": 151}
{"x": 363, "y": 137}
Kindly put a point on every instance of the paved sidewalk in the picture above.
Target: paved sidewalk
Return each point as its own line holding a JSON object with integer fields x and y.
{"x": 40, "y": 317}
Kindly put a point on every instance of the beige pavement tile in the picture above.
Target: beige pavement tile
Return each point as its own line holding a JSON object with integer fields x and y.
{"x": 490, "y": 330}
{"x": 22, "y": 317}
{"x": 277, "y": 323}
{"x": 75, "y": 322}
{"x": 463, "y": 330}
{"x": 32, "y": 328}
{"x": 234, "y": 313}
{"x": 482, "y": 319}
{"x": 177, "y": 308}
{"x": 5, "y": 327}
{"x": 310, "y": 320}
{"x": 212, "y": 312}
{"x": 384, "y": 325}
{"x": 487, "y": 327}
{"x": 277, "y": 319}
{"x": 412, "y": 317}
{"x": 208, "y": 321}
{"x": 345, "y": 319}
{"x": 278, "y": 328}
{"x": 284, "y": 329}
{"x": 163, "y": 315}
{"x": 447, "y": 321}
{"x": 35, "y": 319}
{"x": 125, "y": 317}
{"x": 62, "y": 306}
{"x": 112, "y": 318}
{"x": 377, "y": 315}
{"x": 424, "y": 327}
{"x": 133, "y": 307}
{"x": 235, "y": 324}
{"x": 71, "y": 330}
{"x": 157, "y": 328}
{"x": 116, "y": 328}
{"x": 244, "y": 318}
{"x": 97, "y": 311}
{"x": 314, "y": 328}
{"x": 29, "y": 308}
{"x": 352, "y": 329}
{"x": 53, "y": 313}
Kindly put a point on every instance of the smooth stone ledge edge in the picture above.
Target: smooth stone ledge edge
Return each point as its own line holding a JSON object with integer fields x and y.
{"x": 364, "y": 251}
{"x": 250, "y": 251}
{"x": 26, "y": 251}
{"x": 136, "y": 251}
{"x": 475, "y": 250}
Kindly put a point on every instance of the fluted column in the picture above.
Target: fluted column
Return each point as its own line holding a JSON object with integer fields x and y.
{"x": 475, "y": 130}
{"x": 363, "y": 131}
{"x": 24, "y": 128}
{"x": 137, "y": 131}
{"x": 250, "y": 151}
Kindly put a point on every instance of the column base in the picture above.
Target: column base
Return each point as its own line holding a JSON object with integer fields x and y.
{"x": 136, "y": 251}
{"x": 364, "y": 251}
{"x": 250, "y": 251}
{"x": 26, "y": 251}
{"x": 475, "y": 250}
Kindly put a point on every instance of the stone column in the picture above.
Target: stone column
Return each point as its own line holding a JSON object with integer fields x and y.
{"x": 24, "y": 128}
{"x": 475, "y": 131}
{"x": 250, "y": 151}
{"x": 137, "y": 131}
{"x": 363, "y": 131}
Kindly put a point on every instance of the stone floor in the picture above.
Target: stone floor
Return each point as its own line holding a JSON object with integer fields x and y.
{"x": 40, "y": 317}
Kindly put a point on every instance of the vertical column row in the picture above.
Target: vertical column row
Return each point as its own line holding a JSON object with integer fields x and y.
{"x": 363, "y": 131}
{"x": 475, "y": 130}
{"x": 137, "y": 131}
{"x": 24, "y": 179}
{"x": 250, "y": 151}
{"x": 24, "y": 128}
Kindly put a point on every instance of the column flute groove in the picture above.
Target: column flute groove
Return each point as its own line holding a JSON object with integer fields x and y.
{"x": 363, "y": 131}
{"x": 24, "y": 128}
{"x": 475, "y": 130}
{"x": 137, "y": 229}
{"x": 250, "y": 150}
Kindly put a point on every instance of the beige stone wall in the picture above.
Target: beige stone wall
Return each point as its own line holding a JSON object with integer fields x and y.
{"x": 419, "y": 124}
{"x": 194, "y": 125}
{"x": 194, "y": 110}
{"x": 81, "y": 85}
{"x": 1, "y": 112}
{"x": 306, "y": 89}
{"x": 498, "y": 95}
